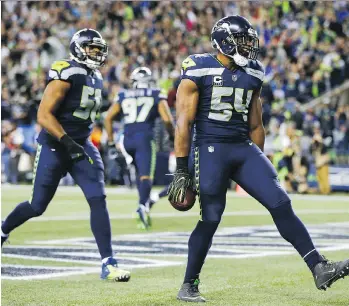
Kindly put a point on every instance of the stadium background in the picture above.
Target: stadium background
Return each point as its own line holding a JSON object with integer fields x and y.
{"x": 304, "y": 48}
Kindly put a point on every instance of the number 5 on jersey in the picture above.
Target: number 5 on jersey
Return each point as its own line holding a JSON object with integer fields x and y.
{"x": 90, "y": 103}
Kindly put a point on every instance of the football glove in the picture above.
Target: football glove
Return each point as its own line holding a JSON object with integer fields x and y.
{"x": 178, "y": 188}
{"x": 112, "y": 151}
{"x": 75, "y": 151}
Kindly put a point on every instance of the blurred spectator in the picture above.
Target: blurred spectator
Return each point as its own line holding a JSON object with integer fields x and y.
{"x": 322, "y": 160}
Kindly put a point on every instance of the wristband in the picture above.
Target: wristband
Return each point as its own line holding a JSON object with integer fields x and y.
{"x": 182, "y": 163}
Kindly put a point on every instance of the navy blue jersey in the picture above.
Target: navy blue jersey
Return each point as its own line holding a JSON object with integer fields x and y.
{"x": 140, "y": 109}
{"x": 224, "y": 97}
{"x": 77, "y": 112}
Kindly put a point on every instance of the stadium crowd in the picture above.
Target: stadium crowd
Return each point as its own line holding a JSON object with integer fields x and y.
{"x": 304, "y": 47}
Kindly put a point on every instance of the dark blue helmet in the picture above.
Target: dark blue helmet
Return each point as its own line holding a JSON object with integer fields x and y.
{"x": 83, "y": 47}
{"x": 141, "y": 77}
{"x": 235, "y": 37}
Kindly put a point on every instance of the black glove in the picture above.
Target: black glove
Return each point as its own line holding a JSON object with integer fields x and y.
{"x": 112, "y": 151}
{"x": 181, "y": 182}
{"x": 75, "y": 151}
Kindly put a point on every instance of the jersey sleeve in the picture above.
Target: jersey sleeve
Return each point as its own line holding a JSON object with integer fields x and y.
{"x": 191, "y": 70}
{"x": 162, "y": 95}
{"x": 118, "y": 98}
{"x": 65, "y": 71}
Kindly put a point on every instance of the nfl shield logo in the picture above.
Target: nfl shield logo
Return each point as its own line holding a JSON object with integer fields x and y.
{"x": 234, "y": 77}
{"x": 211, "y": 149}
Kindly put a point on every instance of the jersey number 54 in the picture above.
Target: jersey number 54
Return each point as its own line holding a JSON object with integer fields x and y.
{"x": 222, "y": 111}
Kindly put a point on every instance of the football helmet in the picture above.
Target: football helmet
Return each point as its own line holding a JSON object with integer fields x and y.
{"x": 82, "y": 48}
{"x": 235, "y": 37}
{"x": 141, "y": 77}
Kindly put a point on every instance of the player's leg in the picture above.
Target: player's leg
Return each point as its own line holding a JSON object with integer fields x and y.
{"x": 90, "y": 178}
{"x": 154, "y": 197}
{"x": 145, "y": 159}
{"x": 134, "y": 147}
{"x": 258, "y": 177}
{"x": 211, "y": 179}
{"x": 48, "y": 169}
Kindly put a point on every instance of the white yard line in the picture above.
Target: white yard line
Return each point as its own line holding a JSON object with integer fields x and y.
{"x": 127, "y": 191}
{"x": 86, "y": 216}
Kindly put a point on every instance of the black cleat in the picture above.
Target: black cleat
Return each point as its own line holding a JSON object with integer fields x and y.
{"x": 327, "y": 272}
{"x": 3, "y": 238}
{"x": 189, "y": 292}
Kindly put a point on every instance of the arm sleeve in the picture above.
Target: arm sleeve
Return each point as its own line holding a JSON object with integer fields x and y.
{"x": 162, "y": 95}
{"x": 117, "y": 99}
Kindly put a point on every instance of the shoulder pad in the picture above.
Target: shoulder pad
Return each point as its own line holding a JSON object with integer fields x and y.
{"x": 187, "y": 63}
{"x": 59, "y": 65}
{"x": 256, "y": 69}
{"x": 98, "y": 74}
{"x": 195, "y": 61}
{"x": 65, "y": 69}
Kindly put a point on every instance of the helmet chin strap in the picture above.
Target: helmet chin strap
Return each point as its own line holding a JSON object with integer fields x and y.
{"x": 239, "y": 59}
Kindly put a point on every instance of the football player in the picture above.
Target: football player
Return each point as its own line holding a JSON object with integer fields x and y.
{"x": 140, "y": 106}
{"x": 67, "y": 110}
{"x": 220, "y": 95}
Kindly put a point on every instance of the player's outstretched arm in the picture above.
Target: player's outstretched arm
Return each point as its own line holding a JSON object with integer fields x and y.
{"x": 166, "y": 117}
{"x": 114, "y": 109}
{"x": 53, "y": 95}
{"x": 257, "y": 133}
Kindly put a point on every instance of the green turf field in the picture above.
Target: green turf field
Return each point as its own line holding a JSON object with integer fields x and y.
{"x": 53, "y": 260}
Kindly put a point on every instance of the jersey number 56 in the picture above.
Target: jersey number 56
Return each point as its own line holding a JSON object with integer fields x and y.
{"x": 90, "y": 103}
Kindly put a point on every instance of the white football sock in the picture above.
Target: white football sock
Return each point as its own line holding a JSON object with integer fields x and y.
{"x": 104, "y": 260}
{"x": 3, "y": 234}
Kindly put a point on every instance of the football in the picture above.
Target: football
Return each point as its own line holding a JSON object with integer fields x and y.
{"x": 188, "y": 203}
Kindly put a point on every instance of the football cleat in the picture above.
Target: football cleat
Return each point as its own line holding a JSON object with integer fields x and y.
{"x": 142, "y": 217}
{"x": 4, "y": 237}
{"x": 111, "y": 272}
{"x": 327, "y": 272}
{"x": 189, "y": 292}
{"x": 148, "y": 218}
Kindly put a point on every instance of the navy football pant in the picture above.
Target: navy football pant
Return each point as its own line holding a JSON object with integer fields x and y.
{"x": 53, "y": 162}
{"x": 214, "y": 165}
{"x": 143, "y": 151}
